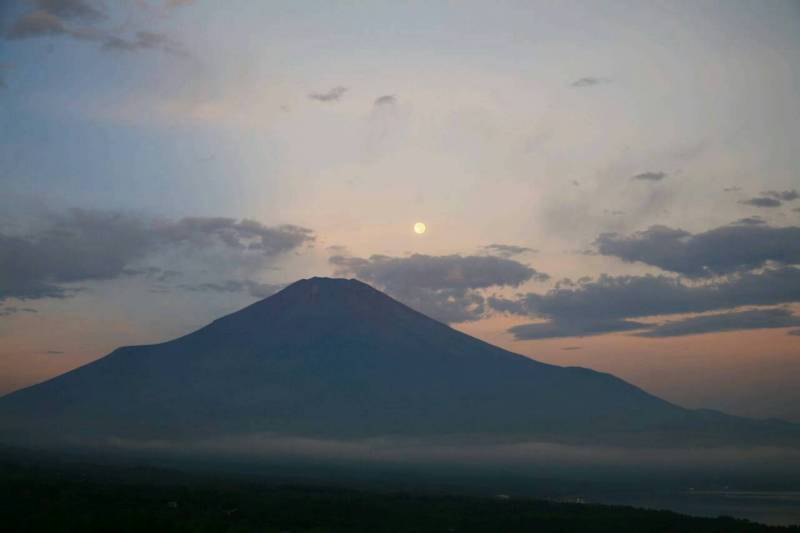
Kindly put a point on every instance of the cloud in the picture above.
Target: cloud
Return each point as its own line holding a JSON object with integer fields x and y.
{"x": 723, "y": 250}
{"x": 732, "y": 189}
{"x": 786, "y": 196}
{"x": 86, "y": 245}
{"x": 438, "y": 272}
{"x": 444, "y": 287}
{"x": 583, "y": 328}
{"x": 332, "y": 95}
{"x": 507, "y": 250}
{"x": 36, "y": 24}
{"x": 504, "y": 305}
{"x": 7, "y": 311}
{"x": 337, "y": 249}
{"x": 445, "y": 305}
{"x": 732, "y": 321}
{"x": 751, "y": 221}
{"x": 387, "y": 99}
{"x": 69, "y": 9}
{"x": 56, "y": 17}
{"x": 243, "y": 235}
{"x": 606, "y": 304}
{"x": 153, "y": 273}
{"x": 762, "y": 201}
{"x": 642, "y": 296}
{"x": 589, "y": 81}
{"x": 143, "y": 40}
{"x": 650, "y": 176}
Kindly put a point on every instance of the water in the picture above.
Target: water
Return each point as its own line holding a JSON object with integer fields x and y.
{"x": 766, "y": 507}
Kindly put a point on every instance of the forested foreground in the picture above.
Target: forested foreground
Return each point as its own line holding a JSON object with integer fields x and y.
{"x": 110, "y": 498}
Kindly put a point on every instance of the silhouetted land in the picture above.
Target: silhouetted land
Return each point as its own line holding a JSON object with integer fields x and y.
{"x": 64, "y": 496}
{"x": 337, "y": 360}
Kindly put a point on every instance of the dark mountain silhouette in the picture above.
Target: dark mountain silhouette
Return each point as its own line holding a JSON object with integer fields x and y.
{"x": 335, "y": 358}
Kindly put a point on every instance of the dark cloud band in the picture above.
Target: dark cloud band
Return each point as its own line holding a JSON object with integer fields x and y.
{"x": 609, "y": 303}
{"x": 733, "y": 321}
{"x": 86, "y": 245}
{"x": 734, "y": 248}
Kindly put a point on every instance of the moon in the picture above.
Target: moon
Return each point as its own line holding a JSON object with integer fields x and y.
{"x": 419, "y": 228}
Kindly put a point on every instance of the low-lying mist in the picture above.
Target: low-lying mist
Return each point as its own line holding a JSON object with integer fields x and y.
{"x": 753, "y": 467}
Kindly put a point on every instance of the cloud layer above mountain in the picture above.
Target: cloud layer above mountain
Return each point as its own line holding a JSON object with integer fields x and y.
{"x": 724, "y": 250}
{"x": 732, "y": 321}
{"x": 78, "y": 246}
{"x": 444, "y": 287}
{"x": 606, "y": 304}
{"x": 745, "y": 264}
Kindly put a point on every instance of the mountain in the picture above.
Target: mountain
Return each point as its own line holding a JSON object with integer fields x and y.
{"x": 337, "y": 359}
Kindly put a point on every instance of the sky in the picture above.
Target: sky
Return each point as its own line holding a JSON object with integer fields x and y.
{"x": 613, "y": 185}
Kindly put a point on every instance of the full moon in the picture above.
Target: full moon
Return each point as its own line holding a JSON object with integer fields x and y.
{"x": 419, "y": 228}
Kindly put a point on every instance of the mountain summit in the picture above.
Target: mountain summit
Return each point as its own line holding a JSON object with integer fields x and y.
{"x": 335, "y": 358}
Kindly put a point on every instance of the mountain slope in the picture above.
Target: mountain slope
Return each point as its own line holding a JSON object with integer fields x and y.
{"x": 334, "y": 358}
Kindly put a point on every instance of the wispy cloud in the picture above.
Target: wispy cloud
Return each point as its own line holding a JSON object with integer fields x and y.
{"x": 12, "y": 310}
{"x": 785, "y": 196}
{"x": 751, "y": 221}
{"x": 589, "y": 81}
{"x": 82, "y": 21}
{"x": 387, "y": 99}
{"x": 507, "y": 250}
{"x": 650, "y": 176}
{"x": 762, "y": 201}
{"x": 732, "y": 321}
{"x": 333, "y": 95}
{"x": 582, "y": 328}
{"x": 70, "y": 9}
